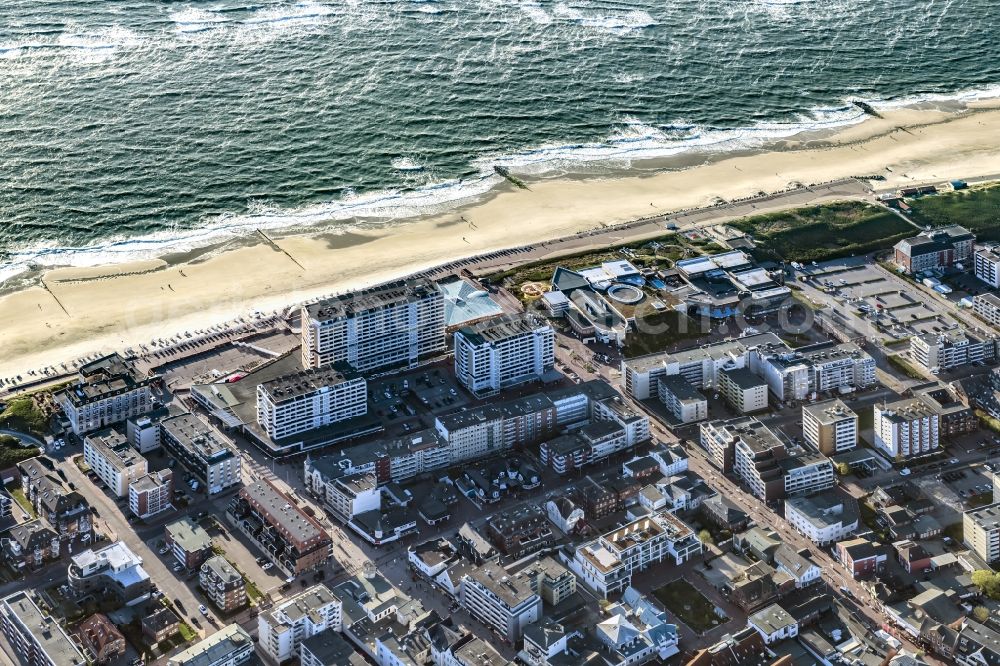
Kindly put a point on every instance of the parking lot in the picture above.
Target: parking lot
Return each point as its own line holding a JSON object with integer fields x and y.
{"x": 409, "y": 402}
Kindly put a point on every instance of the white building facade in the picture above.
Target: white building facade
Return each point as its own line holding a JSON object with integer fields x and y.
{"x": 501, "y": 353}
{"x": 309, "y": 400}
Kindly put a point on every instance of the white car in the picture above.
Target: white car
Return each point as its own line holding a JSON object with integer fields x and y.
{"x": 267, "y": 566}
{"x": 203, "y": 610}
{"x": 177, "y": 568}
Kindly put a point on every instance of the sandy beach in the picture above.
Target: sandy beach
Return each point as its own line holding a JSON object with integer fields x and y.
{"x": 83, "y": 311}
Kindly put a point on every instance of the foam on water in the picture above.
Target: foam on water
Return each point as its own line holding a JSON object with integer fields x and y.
{"x": 618, "y": 23}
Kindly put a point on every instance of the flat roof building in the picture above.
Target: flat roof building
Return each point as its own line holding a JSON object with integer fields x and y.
{"x": 393, "y": 324}
{"x": 499, "y": 353}
{"x": 310, "y": 399}
{"x": 230, "y": 646}
{"x": 203, "y": 451}
{"x": 114, "y": 460}
{"x": 36, "y": 636}
{"x": 830, "y": 426}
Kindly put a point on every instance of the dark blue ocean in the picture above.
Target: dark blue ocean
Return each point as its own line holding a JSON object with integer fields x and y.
{"x": 131, "y": 128}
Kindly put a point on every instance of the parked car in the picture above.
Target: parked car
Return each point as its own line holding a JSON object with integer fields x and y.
{"x": 203, "y": 610}
{"x": 266, "y": 566}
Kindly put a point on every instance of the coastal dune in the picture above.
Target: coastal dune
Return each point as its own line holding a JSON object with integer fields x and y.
{"x": 75, "y": 312}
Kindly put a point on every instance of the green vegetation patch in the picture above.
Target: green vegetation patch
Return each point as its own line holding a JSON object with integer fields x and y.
{"x": 22, "y": 500}
{"x": 24, "y": 415}
{"x": 977, "y": 209}
{"x": 657, "y": 331}
{"x": 187, "y": 633}
{"x": 689, "y": 605}
{"x": 828, "y": 231}
{"x": 904, "y": 366}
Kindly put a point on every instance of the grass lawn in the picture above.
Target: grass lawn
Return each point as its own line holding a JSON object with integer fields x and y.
{"x": 976, "y": 209}
{"x": 187, "y": 633}
{"x": 982, "y": 499}
{"x": 689, "y": 605}
{"x": 657, "y": 331}
{"x": 818, "y": 233}
{"x": 21, "y": 499}
{"x": 988, "y": 421}
{"x": 904, "y": 366}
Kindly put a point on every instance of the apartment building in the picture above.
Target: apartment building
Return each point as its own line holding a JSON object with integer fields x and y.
{"x": 485, "y": 430}
{"x": 294, "y": 541}
{"x": 222, "y": 584}
{"x": 955, "y": 415}
{"x": 772, "y": 472}
{"x": 699, "y": 366}
{"x": 143, "y": 433}
{"x": 352, "y": 494}
{"x": 830, "y": 426}
{"x": 906, "y": 428}
{"x": 114, "y": 460}
{"x": 36, "y": 636}
{"x": 936, "y": 352}
{"x": 681, "y": 399}
{"x": 981, "y": 531}
{"x": 107, "y": 391}
{"x": 503, "y": 352}
{"x": 282, "y": 629}
{"x": 230, "y": 646}
{"x": 825, "y": 367}
{"x": 311, "y": 399}
{"x": 606, "y": 565}
{"x": 825, "y": 517}
{"x": 212, "y": 459}
{"x": 112, "y": 569}
{"x": 189, "y": 543}
{"x": 151, "y": 494}
{"x": 390, "y": 325}
{"x": 65, "y": 511}
{"x": 520, "y": 531}
{"x": 987, "y": 307}
{"x": 502, "y": 601}
{"x": 743, "y": 390}
{"x": 550, "y": 580}
{"x": 938, "y": 248}
{"x": 987, "y": 266}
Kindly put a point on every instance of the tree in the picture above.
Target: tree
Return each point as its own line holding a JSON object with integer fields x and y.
{"x": 706, "y": 537}
{"x": 843, "y": 469}
{"x": 981, "y": 613}
{"x": 988, "y": 582}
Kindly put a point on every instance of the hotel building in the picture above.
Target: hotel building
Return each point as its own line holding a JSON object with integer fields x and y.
{"x": 108, "y": 391}
{"x": 114, "y": 460}
{"x": 938, "y": 248}
{"x": 795, "y": 374}
{"x": 682, "y": 400}
{"x": 981, "y": 531}
{"x": 503, "y": 352}
{"x": 389, "y": 325}
{"x": 310, "y": 399}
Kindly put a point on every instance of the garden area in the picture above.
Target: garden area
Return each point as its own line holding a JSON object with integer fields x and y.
{"x": 829, "y": 231}
{"x": 660, "y": 330}
{"x": 977, "y": 209}
{"x": 689, "y": 605}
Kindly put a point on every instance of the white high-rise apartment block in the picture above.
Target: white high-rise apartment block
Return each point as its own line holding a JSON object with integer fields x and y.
{"x": 988, "y": 267}
{"x": 505, "y": 602}
{"x": 987, "y": 306}
{"x": 981, "y": 531}
{"x": 114, "y": 460}
{"x": 700, "y": 366}
{"x": 906, "y": 428}
{"x": 794, "y": 374}
{"x": 830, "y": 426}
{"x": 280, "y": 631}
{"x": 503, "y": 352}
{"x": 310, "y": 399}
{"x": 390, "y": 325}
{"x": 951, "y": 349}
